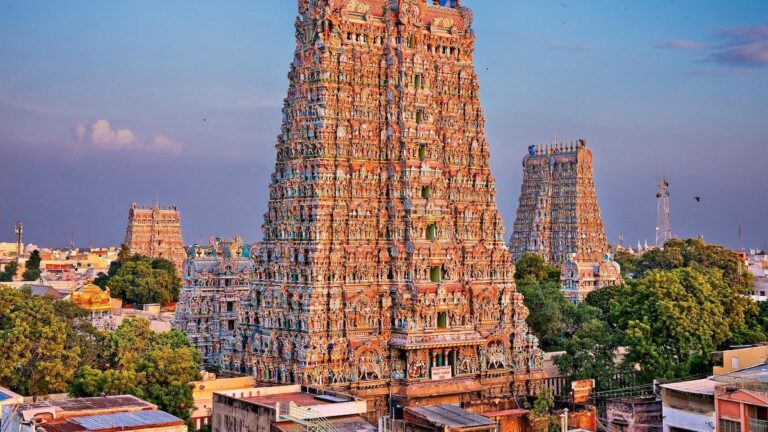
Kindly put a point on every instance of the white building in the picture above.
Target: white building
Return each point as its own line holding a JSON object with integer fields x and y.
{"x": 689, "y": 406}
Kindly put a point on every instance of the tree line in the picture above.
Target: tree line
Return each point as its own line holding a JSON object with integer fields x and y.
{"x": 685, "y": 302}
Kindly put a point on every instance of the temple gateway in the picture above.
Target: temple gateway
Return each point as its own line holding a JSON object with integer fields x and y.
{"x": 383, "y": 270}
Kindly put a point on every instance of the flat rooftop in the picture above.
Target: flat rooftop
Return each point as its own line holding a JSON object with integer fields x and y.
{"x": 299, "y": 398}
{"x": 92, "y": 404}
{"x": 139, "y": 420}
{"x": 340, "y": 424}
{"x": 702, "y": 386}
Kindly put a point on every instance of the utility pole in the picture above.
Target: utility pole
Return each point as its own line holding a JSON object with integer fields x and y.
{"x": 19, "y": 230}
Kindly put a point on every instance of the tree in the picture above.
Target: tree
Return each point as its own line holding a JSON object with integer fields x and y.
{"x": 673, "y": 320}
{"x": 628, "y": 262}
{"x": 9, "y": 272}
{"x": 155, "y": 367}
{"x": 36, "y": 357}
{"x": 551, "y": 317}
{"x": 140, "y": 280}
{"x": 532, "y": 265}
{"x": 32, "y": 267}
{"x": 591, "y": 353}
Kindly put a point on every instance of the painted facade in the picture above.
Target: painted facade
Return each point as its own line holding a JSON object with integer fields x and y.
{"x": 558, "y": 213}
{"x": 217, "y": 278}
{"x": 383, "y": 267}
{"x": 156, "y": 232}
{"x": 579, "y": 278}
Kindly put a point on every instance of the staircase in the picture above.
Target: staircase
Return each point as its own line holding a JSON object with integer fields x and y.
{"x": 311, "y": 419}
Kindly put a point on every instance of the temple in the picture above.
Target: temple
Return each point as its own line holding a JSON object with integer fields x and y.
{"x": 156, "y": 232}
{"x": 579, "y": 278}
{"x": 383, "y": 270}
{"x": 98, "y": 304}
{"x": 217, "y": 278}
{"x": 558, "y": 213}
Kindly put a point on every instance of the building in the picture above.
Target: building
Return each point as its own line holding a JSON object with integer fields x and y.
{"x": 97, "y": 414}
{"x": 217, "y": 280}
{"x": 558, "y": 213}
{"x": 8, "y": 397}
{"x": 731, "y": 360}
{"x": 579, "y": 278}
{"x": 288, "y": 408}
{"x": 446, "y": 418}
{"x": 98, "y": 303}
{"x": 634, "y": 414}
{"x": 203, "y": 390}
{"x": 156, "y": 232}
{"x": 383, "y": 267}
{"x": 688, "y": 406}
{"x": 741, "y": 400}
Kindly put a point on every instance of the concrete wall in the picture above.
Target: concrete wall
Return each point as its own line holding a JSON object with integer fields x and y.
{"x": 233, "y": 415}
{"x": 687, "y": 420}
{"x": 741, "y": 359}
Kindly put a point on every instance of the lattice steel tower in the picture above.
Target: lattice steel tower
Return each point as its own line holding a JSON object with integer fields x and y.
{"x": 19, "y": 231}
{"x": 663, "y": 218}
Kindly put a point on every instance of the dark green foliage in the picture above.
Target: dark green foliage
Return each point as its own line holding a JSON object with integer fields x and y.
{"x": 9, "y": 272}
{"x": 32, "y": 267}
{"x": 533, "y": 266}
{"x": 154, "y": 367}
{"x": 141, "y": 280}
{"x": 38, "y": 356}
{"x": 627, "y": 261}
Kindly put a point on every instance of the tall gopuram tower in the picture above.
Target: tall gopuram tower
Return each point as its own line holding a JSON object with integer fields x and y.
{"x": 383, "y": 269}
{"x": 155, "y": 231}
{"x": 558, "y": 214}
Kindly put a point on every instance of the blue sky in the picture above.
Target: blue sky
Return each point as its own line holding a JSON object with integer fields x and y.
{"x": 105, "y": 103}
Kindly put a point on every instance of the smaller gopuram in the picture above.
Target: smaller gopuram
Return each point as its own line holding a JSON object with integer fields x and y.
{"x": 97, "y": 302}
{"x": 579, "y": 278}
{"x": 217, "y": 280}
{"x": 155, "y": 232}
{"x": 558, "y": 213}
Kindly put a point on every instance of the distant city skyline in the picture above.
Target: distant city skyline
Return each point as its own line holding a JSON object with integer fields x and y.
{"x": 102, "y": 105}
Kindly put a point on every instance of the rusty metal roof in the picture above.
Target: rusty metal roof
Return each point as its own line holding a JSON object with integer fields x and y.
{"x": 451, "y": 416}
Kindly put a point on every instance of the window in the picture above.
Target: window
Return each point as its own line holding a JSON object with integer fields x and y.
{"x": 432, "y": 232}
{"x": 411, "y": 42}
{"x": 426, "y": 192}
{"x": 434, "y": 274}
{"x": 419, "y": 116}
{"x": 422, "y": 152}
{"x": 729, "y": 426}
{"x": 231, "y": 325}
{"x": 442, "y": 320}
{"x": 418, "y": 82}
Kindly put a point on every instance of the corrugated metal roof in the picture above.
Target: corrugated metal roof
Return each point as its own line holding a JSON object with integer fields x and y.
{"x": 124, "y": 420}
{"x": 451, "y": 416}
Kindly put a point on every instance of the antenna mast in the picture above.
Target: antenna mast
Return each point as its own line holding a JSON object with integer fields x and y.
{"x": 663, "y": 218}
{"x": 19, "y": 230}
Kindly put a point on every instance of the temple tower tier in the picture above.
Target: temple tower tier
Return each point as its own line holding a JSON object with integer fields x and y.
{"x": 155, "y": 231}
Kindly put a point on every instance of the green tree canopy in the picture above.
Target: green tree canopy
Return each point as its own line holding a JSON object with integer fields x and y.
{"x": 37, "y": 356}
{"x": 155, "y": 367}
{"x": 139, "y": 279}
{"x": 532, "y": 265}
{"x": 9, "y": 272}
{"x": 32, "y": 267}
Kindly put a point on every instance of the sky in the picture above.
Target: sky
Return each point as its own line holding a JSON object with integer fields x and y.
{"x": 107, "y": 103}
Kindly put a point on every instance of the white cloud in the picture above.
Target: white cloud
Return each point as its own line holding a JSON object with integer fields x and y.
{"x": 102, "y": 136}
{"x": 164, "y": 144}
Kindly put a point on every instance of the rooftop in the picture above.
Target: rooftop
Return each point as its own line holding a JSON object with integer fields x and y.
{"x": 81, "y": 406}
{"x": 340, "y": 424}
{"x": 755, "y": 377}
{"x": 451, "y": 416}
{"x": 299, "y": 398}
{"x": 702, "y": 386}
{"x": 114, "y": 422}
